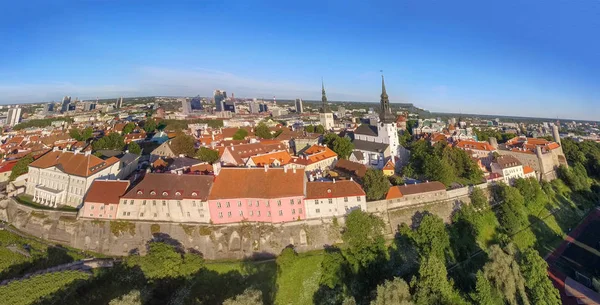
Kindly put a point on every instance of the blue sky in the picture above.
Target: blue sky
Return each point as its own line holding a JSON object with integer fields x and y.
{"x": 527, "y": 58}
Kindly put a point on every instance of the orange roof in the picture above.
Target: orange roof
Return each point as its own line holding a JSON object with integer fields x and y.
{"x": 234, "y": 183}
{"x": 411, "y": 189}
{"x": 438, "y": 137}
{"x": 474, "y": 145}
{"x": 314, "y": 154}
{"x": 107, "y": 191}
{"x": 342, "y": 188}
{"x": 389, "y": 165}
{"x": 243, "y": 151}
{"x": 73, "y": 163}
{"x": 527, "y": 169}
{"x": 282, "y": 156}
{"x": 201, "y": 167}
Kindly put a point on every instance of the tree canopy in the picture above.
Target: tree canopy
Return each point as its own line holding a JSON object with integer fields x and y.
{"x": 112, "y": 141}
{"x": 128, "y": 128}
{"x": 134, "y": 148}
{"x": 364, "y": 237}
{"x": 262, "y": 131}
{"x": 183, "y": 145}
{"x": 240, "y": 134}
{"x": 21, "y": 167}
{"x": 164, "y": 261}
{"x": 149, "y": 125}
{"x": 81, "y": 135}
{"x": 207, "y": 155}
{"x": 375, "y": 183}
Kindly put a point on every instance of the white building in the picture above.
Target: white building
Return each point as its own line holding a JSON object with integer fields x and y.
{"x": 384, "y": 132}
{"x": 325, "y": 115}
{"x": 14, "y": 116}
{"x": 168, "y": 197}
{"x": 509, "y": 167}
{"x": 64, "y": 177}
{"x": 333, "y": 199}
{"x": 298, "y": 104}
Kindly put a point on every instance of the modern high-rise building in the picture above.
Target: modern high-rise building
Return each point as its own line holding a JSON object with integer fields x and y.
{"x": 253, "y": 106}
{"x": 89, "y": 106}
{"x": 14, "y": 116}
{"x": 196, "y": 103}
{"x": 263, "y": 108}
{"x": 219, "y": 97}
{"x": 299, "y": 108}
{"x": 186, "y": 106}
{"x": 49, "y": 108}
{"x": 229, "y": 105}
{"x": 119, "y": 103}
{"x": 65, "y": 104}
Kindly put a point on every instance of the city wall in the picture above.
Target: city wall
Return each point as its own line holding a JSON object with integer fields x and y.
{"x": 214, "y": 242}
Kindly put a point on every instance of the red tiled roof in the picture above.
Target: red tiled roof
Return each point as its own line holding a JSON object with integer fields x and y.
{"x": 314, "y": 154}
{"x": 107, "y": 191}
{"x": 356, "y": 168}
{"x": 171, "y": 186}
{"x": 389, "y": 165}
{"x": 282, "y": 156}
{"x": 474, "y": 145}
{"x": 527, "y": 169}
{"x": 74, "y": 163}
{"x": 411, "y": 189}
{"x": 7, "y": 166}
{"x": 342, "y": 188}
{"x": 257, "y": 183}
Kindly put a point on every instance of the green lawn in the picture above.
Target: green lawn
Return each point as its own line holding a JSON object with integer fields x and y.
{"x": 300, "y": 281}
{"x": 295, "y": 285}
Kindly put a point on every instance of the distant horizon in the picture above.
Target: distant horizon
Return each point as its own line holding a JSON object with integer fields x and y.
{"x": 329, "y": 101}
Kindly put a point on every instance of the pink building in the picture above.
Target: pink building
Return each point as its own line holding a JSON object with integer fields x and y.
{"x": 257, "y": 194}
{"x": 102, "y": 199}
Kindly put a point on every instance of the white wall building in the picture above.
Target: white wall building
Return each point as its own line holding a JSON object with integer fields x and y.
{"x": 64, "y": 177}
{"x": 14, "y": 116}
{"x": 337, "y": 198}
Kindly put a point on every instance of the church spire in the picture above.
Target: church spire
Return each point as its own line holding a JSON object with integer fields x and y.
{"x": 325, "y": 108}
{"x": 385, "y": 116}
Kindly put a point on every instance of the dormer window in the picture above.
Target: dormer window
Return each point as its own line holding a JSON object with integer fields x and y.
{"x": 152, "y": 193}
{"x": 177, "y": 194}
{"x": 140, "y": 192}
{"x": 194, "y": 194}
{"x": 165, "y": 193}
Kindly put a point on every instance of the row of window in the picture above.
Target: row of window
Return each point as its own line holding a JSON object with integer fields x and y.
{"x": 156, "y": 214}
{"x": 268, "y": 203}
{"x": 241, "y": 213}
{"x": 101, "y": 207}
{"x": 330, "y": 200}
{"x": 164, "y": 202}
{"x": 101, "y": 215}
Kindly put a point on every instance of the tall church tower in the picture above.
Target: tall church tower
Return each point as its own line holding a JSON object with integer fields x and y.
{"x": 325, "y": 116}
{"x": 386, "y": 128}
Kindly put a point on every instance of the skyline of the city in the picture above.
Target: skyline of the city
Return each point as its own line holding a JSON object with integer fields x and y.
{"x": 517, "y": 60}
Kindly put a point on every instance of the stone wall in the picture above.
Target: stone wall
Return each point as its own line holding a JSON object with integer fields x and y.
{"x": 213, "y": 241}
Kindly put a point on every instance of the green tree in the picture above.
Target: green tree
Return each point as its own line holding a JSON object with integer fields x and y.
{"x": 150, "y": 125}
{"x": 376, "y": 184}
{"x": 343, "y": 147}
{"x": 164, "y": 261}
{"x": 404, "y": 138}
{"x": 394, "y": 292}
{"x": 504, "y": 274}
{"x": 134, "y": 148}
{"x": 111, "y": 141}
{"x": 183, "y": 145}
{"x": 431, "y": 237}
{"x": 133, "y": 297}
{"x": 207, "y": 155}
{"x": 484, "y": 293}
{"x": 81, "y": 135}
{"x": 21, "y": 167}
{"x": 511, "y": 212}
{"x": 320, "y": 129}
{"x": 249, "y": 297}
{"x": 478, "y": 199}
{"x": 539, "y": 287}
{"x": 128, "y": 128}
{"x": 433, "y": 286}
{"x": 438, "y": 169}
{"x": 39, "y": 287}
{"x": 309, "y": 128}
{"x": 240, "y": 134}
{"x": 262, "y": 131}
{"x": 364, "y": 237}
{"x": 334, "y": 268}
{"x": 287, "y": 257}
{"x": 329, "y": 138}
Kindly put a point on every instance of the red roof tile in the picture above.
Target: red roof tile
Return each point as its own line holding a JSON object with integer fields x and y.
{"x": 107, "y": 191}
{"x": 342, "y": 188}
{"x": 257, "y": 183}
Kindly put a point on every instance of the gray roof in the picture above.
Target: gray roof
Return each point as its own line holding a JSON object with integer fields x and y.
{"x": 181, "y": 162}
{"x": 358, "y": 155}
{"x": 128, "y": 158}
{"x": 368, "y": 130}
{"x": 370, "y": 146}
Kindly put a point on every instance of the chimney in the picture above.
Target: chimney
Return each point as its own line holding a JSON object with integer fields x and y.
{"x": 55, "y": 148}
{"x": 87, "y": 153}
{"x": 294, "y": 169}
{"x": 351, "y": 179}
{"x": 266, "y": 167}
{"x": 285, "y": 169}
{"x": 333, "y": 180}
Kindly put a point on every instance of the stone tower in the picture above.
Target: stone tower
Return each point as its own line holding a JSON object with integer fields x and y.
{"x": 386, "y": 129}
{"x": 326, "y": 116}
